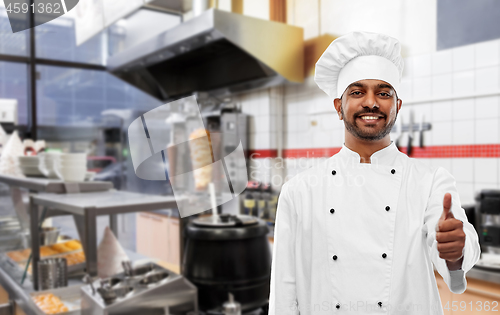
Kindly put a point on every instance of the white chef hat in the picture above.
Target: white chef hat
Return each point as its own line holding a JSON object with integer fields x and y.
{"x": 359, "y": 56}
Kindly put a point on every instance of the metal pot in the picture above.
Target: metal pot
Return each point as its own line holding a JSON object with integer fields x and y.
{"x": 231, "y": 254}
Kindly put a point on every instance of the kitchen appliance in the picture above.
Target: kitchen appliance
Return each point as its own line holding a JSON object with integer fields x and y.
{"x": 228, "y": 255}
{"x": 228, "y": 127}
{"x": 232, "y": 307}
{"x": 204, "y": 146}
{"x": 218, "y": 52}
{"x": 250, "y": 200}
{"x": 264, "y": 201}
{"x": 488, "y": 220}
{"x": 147, "y": 290}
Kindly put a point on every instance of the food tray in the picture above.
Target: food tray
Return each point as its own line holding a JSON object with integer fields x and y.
{"x": 75, "y": 268}
{"x": 20, "y": 261}
{"x": 70, "y": 296}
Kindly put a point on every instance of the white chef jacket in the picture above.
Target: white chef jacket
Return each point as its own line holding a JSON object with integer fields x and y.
{"x": 358, "y": 238}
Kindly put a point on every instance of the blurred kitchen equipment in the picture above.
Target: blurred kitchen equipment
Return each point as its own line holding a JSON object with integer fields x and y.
{"x": 230, "y": 128}
{"x": 48, "y": 163}
{"x": 399, "y": 131}
{"x": 148, "y": 289}
{"x": 72, "y": 167}
{"x": 252, "y": 195}
{"x": 30, "y": 165}
{"x": 200, "y": 6}
{"x": 409, "y": 148}
{"x": 230, "y": 255}
{"x": 249, "y": 204}
{"x": 231, "y": 307}
{"x": 218, "y": 52}
{"x": 263, "y": 201}
{"x": 127, "y": 267}
{"x": 205, "y": 150}
{"x": 49, "y": 235}
{"x": 52, "y": 273}
{"x": 488, "y": 220}
{"x": 29, "y": 147}
{"x": 273, "y": 205}
{"x": 177, "y": 122}
{"x": 421, "y": 132}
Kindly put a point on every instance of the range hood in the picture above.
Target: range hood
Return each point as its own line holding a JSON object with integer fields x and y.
{"x": 217, "y": 52}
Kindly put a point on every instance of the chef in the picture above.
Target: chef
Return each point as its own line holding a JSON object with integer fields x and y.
{"x": 360, "y": 232}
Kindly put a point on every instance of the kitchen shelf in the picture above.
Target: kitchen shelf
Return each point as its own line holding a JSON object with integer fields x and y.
{"x": 10, "y": 278}
{"x": 85, "y": 208}
{"x": 52, "y": 185}
{"x": 110, "y": 202}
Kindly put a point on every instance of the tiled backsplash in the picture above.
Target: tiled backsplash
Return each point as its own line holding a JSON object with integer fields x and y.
{"x": 456, "y": 90}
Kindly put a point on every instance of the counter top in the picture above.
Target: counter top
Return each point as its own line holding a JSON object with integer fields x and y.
{"x": 109, "y": 202}
{"x": 52, "y": 185}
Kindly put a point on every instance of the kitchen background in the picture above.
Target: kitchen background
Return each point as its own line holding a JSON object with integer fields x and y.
{"x": 455, "y": 89}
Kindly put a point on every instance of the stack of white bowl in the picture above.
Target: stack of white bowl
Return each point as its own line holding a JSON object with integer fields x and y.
{"x": 72, "y": 167}
{"x": 30, "y": 165}
{"x": 48, "y": 163}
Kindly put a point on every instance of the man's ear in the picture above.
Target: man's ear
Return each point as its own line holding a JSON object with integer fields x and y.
{"x": 338, "y": 103}
{"x": 398, "y": 105}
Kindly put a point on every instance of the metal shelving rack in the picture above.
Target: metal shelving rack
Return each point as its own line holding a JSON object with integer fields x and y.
{"x": 85, "y": 207}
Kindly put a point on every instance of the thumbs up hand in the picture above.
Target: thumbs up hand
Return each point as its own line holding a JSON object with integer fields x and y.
{"x": 450, "y": 236}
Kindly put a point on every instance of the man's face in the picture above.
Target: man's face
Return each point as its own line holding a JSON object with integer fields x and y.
{"x": 369, "y": 109}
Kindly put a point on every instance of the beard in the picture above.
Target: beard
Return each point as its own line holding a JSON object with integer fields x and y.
{"x": 369, "y": 135}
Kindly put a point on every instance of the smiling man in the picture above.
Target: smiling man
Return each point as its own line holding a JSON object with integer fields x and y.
{"x": 360, "y": 232}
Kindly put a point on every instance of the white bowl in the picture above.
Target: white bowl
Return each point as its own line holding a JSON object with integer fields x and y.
{"x": 71, "y": 174}
{"x": 73, "y": 156}
{"x": 49, "y": 158}
{"x": 31, "y": 171}
{"x": 51, "y": 155}
{"x": 48, "y": 165}
{"x": 29, "y": 160}
{"x": 73, "y": 163}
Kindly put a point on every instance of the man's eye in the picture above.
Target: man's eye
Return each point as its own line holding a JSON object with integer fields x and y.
{"x": 356, "y": 93}
{"x": 385, "y": 94}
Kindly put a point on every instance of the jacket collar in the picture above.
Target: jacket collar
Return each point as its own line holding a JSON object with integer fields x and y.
{"x": 384, "y": 156}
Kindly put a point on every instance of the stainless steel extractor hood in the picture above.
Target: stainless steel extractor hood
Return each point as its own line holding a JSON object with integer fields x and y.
{"x": 217, "y": 52}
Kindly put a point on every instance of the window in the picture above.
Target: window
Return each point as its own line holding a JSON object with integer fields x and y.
{"x": 73, "y": 97}
{"x": 11, "y": 43}
{"x": 13, "y": 84}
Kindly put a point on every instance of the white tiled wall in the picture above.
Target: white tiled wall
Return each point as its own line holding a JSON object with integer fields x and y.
{"x": 456, "y": 90}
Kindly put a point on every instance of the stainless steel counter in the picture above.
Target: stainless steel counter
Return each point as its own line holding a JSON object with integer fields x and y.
{"x": 52, "y": 185}
{"x": 85, "y": 209}
{"x": 10, "y": 279}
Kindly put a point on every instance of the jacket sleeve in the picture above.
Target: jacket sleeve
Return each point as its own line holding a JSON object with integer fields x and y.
{"x": 444, "y": 182}
{"x": 283, "y": 299}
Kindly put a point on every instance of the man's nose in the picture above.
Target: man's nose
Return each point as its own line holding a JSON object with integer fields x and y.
{"x": 370, "y": 101}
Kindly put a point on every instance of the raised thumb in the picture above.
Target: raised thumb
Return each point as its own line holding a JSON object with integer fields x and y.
{"x": 447, "y": 214}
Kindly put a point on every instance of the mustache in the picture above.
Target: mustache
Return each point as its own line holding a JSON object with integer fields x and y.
{"x": 369, "y": 111}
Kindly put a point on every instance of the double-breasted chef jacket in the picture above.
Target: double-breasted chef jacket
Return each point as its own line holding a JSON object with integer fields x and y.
{"x": 357, "y": 238}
